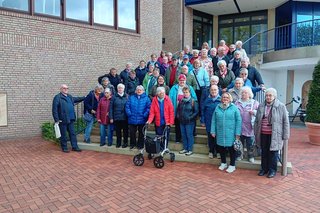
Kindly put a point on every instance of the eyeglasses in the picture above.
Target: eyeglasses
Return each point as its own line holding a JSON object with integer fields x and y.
{"x": 225, "y": 97}
{"x": 65, "y": 88}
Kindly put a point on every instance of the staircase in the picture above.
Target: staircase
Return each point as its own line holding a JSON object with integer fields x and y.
{"x": 200, "y": 149}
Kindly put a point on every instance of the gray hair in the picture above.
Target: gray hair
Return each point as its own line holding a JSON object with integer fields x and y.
{"x": 214, "y": 77}
{"x": 107, "y": 90}
{"x": 195, "y": 51}
{"x": 140, "y": 87}
{"x": 237, "y": 52}
{"x": 239, "y": 79}
{"x": 160, "y": 89}
{"x": 246, "y": 59}
{"x": 221, "y": 48}
{"x": 98, "y": 86}
{"x": 245, "y": 70}
{"x": 121, "y": 86}
{"x": 129, "y": 63}
{"x": 272, "y": 91}
{"x": 248, "y": 90}
{"x": 105, "y": 79}
{"x": 222, "y": 62}
{"x": 239, "y": 43}
{"x": 213, "y": 48}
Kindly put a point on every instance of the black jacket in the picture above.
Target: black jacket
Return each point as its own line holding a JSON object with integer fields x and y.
{"x": 187, "y": 111}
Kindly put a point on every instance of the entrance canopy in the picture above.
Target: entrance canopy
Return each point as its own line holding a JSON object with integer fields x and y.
{"x": 224, "y": 7}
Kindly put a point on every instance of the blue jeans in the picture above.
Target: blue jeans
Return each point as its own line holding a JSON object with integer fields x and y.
{"x": 103, "y": 128}
{"x": 73, "y": 139}
{"x": 87, "y": 131}
{"x": 248, "y": 142}
{"x": 187, "y": 136}
{"x": 110, "y": 134}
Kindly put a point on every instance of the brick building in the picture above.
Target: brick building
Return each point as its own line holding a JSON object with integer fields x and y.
{"x": 43, "y": 46}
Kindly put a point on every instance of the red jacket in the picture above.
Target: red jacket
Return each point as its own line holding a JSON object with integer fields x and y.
{"x": 103, "y": 110}
{"x": 155, "y": 111}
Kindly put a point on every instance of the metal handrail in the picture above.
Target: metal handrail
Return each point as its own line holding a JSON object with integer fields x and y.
{"x": 285, "y": 36}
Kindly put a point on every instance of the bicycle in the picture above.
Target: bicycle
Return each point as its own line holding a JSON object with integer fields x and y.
{"x": 301, "y": 113}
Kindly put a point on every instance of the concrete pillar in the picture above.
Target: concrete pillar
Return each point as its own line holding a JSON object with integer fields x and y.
{"x": 271, "y": 25}
{"x": 289, "y": 94}
{"x": 215, "y": 34}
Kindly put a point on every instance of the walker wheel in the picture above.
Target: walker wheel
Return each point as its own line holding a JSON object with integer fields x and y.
{"x": 138, "y": 160}
{"x": 172, "y": 157}
{"x": 158, "y": 162}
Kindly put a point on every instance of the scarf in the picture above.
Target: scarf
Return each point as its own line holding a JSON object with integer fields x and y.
{"x": 223, "y": 73}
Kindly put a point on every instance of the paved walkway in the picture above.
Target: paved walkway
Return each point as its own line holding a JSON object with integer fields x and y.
{"x": 35, "y": 176}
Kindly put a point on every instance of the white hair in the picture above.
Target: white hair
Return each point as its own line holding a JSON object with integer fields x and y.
{"x": 195, "y": 51}
{"x": 160, "y": 89}
{"x": 239, "y": 79}
{"x": 107, "y": 90}
{"x": 98, "y": 86}
{"x": 245, "y": 70}
{"x": 272, "y": 91}
{"x": 239, "y": 43}
{"x": 246, "y": 59}
{"x": 248, "y": 90}
{"x": 140, "y": 87}
{"x": 214, "y": 77}
{"x": 121, "y": 86}
{"x": 221, "y": 62}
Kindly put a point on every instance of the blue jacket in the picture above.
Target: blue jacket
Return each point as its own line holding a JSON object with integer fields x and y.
{"x": 253, "y": 75}
{"x": 187, "y": 111}
{"x": 90, "y": 102}
{"x": 173, "y": 95}
{"x": 60, "y": 108}
{"x": 226, "y": 124}
{"x": 202, "y": 78}
{"x": 207, "y": 108}
{"x": 137, "y": 109}
{"x": 141, "y": 73}
{"x": 117, "y": 107}
{"x": 189, "y": 65}
{"x": 131, "y": 86}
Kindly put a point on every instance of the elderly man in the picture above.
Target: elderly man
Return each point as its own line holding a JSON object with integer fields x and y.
{"x": 186, "y": 62}
{"x": 221, "y": 56}
{"x": 124, "y": 75}
{"x": 63, "y": 114}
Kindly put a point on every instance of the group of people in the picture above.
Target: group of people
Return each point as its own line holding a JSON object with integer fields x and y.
{"x": 218, "y": 85}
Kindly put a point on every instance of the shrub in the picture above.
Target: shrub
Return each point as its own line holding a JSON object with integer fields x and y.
{"x": 313, "y": 106}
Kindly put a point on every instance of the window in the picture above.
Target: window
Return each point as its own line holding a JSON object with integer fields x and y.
{"x": 104, "y": 12}
{"x": 126, "y": 14}
{"x": 77, "y": 10}
{"x": 22, "y": 5}
{"x": 119, "y": 14}
{"x": 202, "y": 29}
{"x": 48, "y": 7}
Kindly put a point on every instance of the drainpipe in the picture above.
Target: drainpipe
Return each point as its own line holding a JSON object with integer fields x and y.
{"x": 182, "y": 27}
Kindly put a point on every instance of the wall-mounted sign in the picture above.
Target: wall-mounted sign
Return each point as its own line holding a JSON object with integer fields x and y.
{"x": 3, "y": 110}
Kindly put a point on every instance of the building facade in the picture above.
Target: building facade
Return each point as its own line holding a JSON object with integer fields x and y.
{"x": 44, "y": 44}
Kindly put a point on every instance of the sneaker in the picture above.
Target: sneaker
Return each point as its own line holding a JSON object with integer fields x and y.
{"x": 251, "y": 160}
{"x": 189, "y": 153}
{"x": 183, "y": 151}
{"x": 218, "y": 156}
{"x": 223, "y": 166}
{"x": 231, "y": 169}
{"x": 210, "y": 155}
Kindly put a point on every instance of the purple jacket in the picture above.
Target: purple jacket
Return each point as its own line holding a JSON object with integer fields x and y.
{"x": 244, "y": 108}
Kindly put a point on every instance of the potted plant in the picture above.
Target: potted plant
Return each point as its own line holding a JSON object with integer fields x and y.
{"x": 313, "y": 108}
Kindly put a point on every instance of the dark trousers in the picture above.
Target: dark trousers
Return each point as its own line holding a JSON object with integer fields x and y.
{"x": 198, "y": 94}
{"x": 133, "y": 132}
{"x": 269, "y": 159}
{"x": 159, "y": 131}
{"x": 121, "y": 126}
{"x": 223, "y": 153}
{"x": 177, "y": 129}
{"x": 212, "y": 143}
{"x": 63, "y": 139}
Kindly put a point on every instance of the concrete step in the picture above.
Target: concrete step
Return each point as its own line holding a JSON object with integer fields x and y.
{"x": 195, "y": 158}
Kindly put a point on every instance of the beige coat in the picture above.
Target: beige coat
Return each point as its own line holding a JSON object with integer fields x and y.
{"x": 279, "y": 122}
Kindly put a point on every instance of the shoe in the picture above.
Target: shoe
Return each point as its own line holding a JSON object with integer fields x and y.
{"x": 118, "y": 146}
{"x": 238, "y": 159}
{"x": 177, "y": 141}
{"x": 210, "y": 155}
{"x": 132, "y": 147}
{"x": 218, "y": 156}
{"x": 231, "y": 169}
{"x": 251, "y": 160}
{"x": 76, "y": 150}
{"x": 109, "y": 144}
{"x": 102, "y": 144}
{"x": 65, "y": 151}
{"x": 262, "y": 173}
{"x": 124, "y": 145}
{"x": 183, "y": 151}
{"x": 223, "y": 166}
{"x": 189, "y": 153}
{"x": 271, "y": 174}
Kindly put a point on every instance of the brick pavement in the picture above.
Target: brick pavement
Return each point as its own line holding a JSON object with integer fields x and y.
{"x": 35, "y": 176}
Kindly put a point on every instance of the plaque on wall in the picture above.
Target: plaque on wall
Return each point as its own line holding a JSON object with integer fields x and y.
{"x": 3, "y": 110}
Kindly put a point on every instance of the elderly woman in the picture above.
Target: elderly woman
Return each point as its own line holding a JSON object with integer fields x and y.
{"x": 118, "y": 115}
{"x": 234, "y": 63}
{"x": 161, "y": 112}
{"x": 207, "y": 108}
{"x": 206, "y": 62}
{"x": 239, "y": 47}
{"x": 271, "y": 129}
{"x": 176, "y": 95}
{"x": 226, "y": 119}
{"x": 137, "y": 110}
{"x": 133, "y": 82}
{"x": 225, "y": 75}
{"x": 103, "y": 117}
{"x": 248, "y": 109}
{"x": 201, "y": 77}
{"x": 195, "y": 56}
{"x": 90, "y": 109}
{"x": 235, "y": 91}
{"x": 191, "y": 79}
{"x": 160, "y": 83}
{"x": 106, "y": 84}
{"x": 214, "y": 80}
{"x": 151, "y": 80}
{"x": 187, "y": 112}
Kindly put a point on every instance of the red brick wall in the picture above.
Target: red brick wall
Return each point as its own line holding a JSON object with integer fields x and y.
{"x": 38, "y": 54}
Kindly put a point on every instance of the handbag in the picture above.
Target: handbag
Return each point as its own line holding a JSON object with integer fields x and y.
{"x": 237, "y": 145}
{"x": 57, "y": 130}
